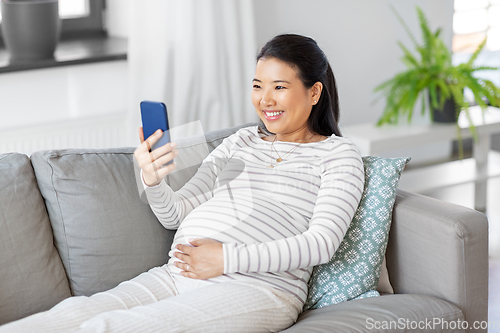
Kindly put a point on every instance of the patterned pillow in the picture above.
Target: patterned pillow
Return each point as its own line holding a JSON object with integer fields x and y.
{"x": 354, "y": 269}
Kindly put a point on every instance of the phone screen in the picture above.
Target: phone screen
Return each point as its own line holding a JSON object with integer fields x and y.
{"x": 154, "y": 117}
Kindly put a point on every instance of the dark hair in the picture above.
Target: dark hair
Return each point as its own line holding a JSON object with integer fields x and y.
{"x": 304, "y": 54}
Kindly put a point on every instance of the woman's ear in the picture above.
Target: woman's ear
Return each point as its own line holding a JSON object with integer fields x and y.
{"x": 316, "y": 90}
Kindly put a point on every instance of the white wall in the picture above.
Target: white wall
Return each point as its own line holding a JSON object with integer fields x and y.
{"x": 68, "y": 92}
{"x": 55, "y": 107}
{"x": 47, "y": 108}
{"x": 55, "y": 94}
{"x": 359, "y": 38}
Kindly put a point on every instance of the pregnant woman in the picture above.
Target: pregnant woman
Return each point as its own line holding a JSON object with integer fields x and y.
{"x": 267, "y": 205}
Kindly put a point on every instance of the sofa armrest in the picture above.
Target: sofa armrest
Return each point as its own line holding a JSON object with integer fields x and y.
{"x": 440, "y": 249}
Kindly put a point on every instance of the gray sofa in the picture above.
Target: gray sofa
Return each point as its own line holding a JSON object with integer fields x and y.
{"x": 73, "y": 222}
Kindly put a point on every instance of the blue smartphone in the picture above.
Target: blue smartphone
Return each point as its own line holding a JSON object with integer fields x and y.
{"x": 154, "y": 117}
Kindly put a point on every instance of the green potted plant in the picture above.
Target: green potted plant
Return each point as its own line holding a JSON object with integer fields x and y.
{"x": 431, "y": 73}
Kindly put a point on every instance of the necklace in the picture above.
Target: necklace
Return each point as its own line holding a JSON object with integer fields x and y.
{"x": 280, "y": 159}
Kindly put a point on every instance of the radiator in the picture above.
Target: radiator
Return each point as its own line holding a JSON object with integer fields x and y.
{"x": 93, "y": 132}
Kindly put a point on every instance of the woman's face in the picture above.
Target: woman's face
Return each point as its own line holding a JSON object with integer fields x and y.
{"x": 280, "y": 98}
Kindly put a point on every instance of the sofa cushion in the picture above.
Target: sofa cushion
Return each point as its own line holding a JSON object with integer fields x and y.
{"x": 32, "y": 276}
{"x": 354, "y": 270}
{"x": 103, "y": 231}
{"x": 391, "y": 313}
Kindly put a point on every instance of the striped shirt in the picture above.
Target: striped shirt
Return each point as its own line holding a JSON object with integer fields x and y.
{"x": 275, "y": 223}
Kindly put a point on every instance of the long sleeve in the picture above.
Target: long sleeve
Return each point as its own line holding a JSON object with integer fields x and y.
{"x": 172, "y": 207}
{"x": 342, "y": 181}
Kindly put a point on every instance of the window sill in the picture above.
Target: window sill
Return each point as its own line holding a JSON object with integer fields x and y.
{"x": 72, "y": 52}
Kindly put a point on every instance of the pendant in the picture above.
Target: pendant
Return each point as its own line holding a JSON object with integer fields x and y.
{"x": 279, "y": 159}
{"x": 270, "y": 166}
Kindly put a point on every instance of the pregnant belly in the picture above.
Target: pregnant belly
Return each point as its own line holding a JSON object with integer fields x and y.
{"x": 239, "y": 221}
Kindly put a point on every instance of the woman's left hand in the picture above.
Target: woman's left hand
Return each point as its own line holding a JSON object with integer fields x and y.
{"x": 203, "y": 260}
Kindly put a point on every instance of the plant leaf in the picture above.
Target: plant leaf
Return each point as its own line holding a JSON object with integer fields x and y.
{"x": 476, "y": 53}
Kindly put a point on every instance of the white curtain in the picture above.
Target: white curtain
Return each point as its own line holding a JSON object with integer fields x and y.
{"x": 196, "y": 56}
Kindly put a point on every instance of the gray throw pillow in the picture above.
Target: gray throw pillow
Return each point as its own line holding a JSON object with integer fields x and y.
{"x": 103, "y": 231}
{"x": 32, "y": 277}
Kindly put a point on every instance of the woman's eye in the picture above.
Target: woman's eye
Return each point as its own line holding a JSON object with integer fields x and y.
{"x": 255, "y": 86}
{"x": 279, "y": 87}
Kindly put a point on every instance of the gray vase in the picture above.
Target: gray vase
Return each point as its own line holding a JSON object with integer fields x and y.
{"x": 446, "y": 114}
{"x": 30, "y": 28}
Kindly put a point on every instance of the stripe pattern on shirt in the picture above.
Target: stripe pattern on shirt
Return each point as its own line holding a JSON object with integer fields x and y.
{"x": 275, "y": 223}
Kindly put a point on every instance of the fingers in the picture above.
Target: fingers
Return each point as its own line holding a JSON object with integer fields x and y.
{"x": 187, "y": 270}
{"x": 184, "y": 257}
{"x": 141, "y": 134}
{"x": 196, "y": 242}
{"x": 160, "y": 172}
{"x": 190, "y": 275}
{"x": 154, "y": 172}
{"x": 149, "y": 142}
{"x": 160, "y": 151}
{"x": 161, "y": 163}
{"x": 200, "y": 262}
{"x": 186, "y": 249}
{"x": 151, "y": 161}
{"x": 145, "y": 157}
{"x": 141, "y": 152}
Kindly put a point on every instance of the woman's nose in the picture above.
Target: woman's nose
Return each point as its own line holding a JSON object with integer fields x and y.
{"x": 267, "y": 99}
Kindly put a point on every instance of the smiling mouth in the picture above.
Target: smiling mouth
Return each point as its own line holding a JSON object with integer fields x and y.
{"x": 273, "y": 113}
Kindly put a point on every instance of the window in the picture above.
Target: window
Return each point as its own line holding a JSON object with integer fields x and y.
{"x": 70, "y": 9}
{"x": 73, "y": 8}
{"x": 474, "y": 20}
{"x": 80, "y": 17}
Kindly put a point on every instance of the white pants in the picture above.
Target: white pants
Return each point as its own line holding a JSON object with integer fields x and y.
{"x": 145, "y": 304}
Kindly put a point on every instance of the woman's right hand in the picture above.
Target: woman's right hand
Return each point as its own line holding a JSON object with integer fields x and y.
{"x": 153, "y": 164}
